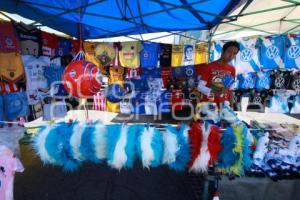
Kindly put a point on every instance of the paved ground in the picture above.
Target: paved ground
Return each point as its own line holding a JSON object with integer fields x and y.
{"x": 99, "y": 182}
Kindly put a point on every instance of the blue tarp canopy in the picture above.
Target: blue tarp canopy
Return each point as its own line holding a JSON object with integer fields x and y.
{"x": 108, "y": 18}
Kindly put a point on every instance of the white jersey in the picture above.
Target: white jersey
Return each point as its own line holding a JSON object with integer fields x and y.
{"x": 247, "y": 58}
{"x": 35, "y": 79}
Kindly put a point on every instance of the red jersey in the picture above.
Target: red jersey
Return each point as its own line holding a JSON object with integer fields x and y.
{"x": 214, "y": 73}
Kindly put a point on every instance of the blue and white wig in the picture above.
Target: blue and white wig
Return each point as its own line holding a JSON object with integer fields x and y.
{"x": 150, "y": 147}
{"x": 176, "y": 147}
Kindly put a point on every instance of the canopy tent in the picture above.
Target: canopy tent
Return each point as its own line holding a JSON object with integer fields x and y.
{"x": 108, "y": 18}
{"x": 261, "y": 17}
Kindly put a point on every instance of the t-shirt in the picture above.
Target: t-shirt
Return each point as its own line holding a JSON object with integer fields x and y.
{"x": 64, "y": 47}
{"x": 201, "y": 53}
{"x": 49, "y": 44}
{"x": 166, "y": 74}
{"x": 177, "y": 99}
{"x": 259, "y": 97}
{"x": 292, "y": 54}
{"x": 9, "y": 164}
{"x": 188, "y": 57}
{"x": 177, "y": 51}
{"x": 165, "y": 55}
{"x": 105, "y": 54}
{"x": 271, "y": 52}
{"x": 30, "y": 39}
{"x": 263, "y": 81}
{"x": 129, "y": 55}
{"x": 247, "y": 58}
{"x": 15, "y": 105}
{"x": 295, "y": 81}
{"x": 214, "y": 74}
{"x": 11, "y": 67}
{"x": 246, "y": 81}
{"x": 35, "y": 79}
{"x": 8, "y": 38}
{"x": 149, "y": 55}
{"x": 280, "y": 79}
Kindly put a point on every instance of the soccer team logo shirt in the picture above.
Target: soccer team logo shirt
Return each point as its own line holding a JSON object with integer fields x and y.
{"x": 177, "y": 55}
{"x": 149, "y": 55}
{"x": 292, "y": 55}
{"x": 8, "y": 38}
{"x": 188, "y": 57}
{"x": 165, "y": 55}
{"x": 130, "y": 54}
{"x": 247, "y": 58}
{"x": 11, "y": 67}
{"x": 271, "y": 52}
{"x": 201, "y": 53}
{"x": 49, "y": 44}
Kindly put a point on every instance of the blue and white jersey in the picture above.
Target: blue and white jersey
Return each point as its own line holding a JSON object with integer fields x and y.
{"x": 247, "y": 58}
{"x": 296, "y": 105}
{"x": 149, "y": 55}
{"x": 279, "y": 102}
{"x": 246, "y": 81}
{"x": 272, "y": 52}
{"x": 216, "y": 50}
{"x": 292, "y": 52}
{"x": 263, "y": 81}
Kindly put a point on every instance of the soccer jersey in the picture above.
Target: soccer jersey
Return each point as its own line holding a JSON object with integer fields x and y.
{"x": 11, "y": 67}
{"x": 246, "y": 81}
{"x": 216, "y": 50}
{"x": 49, "y": 44}
{"x": 166, "y": 74}
{"x": 105, "y": 54}
{"x": 201, "y": 53}
{"x": 263, "y": 81}
{"x": 279, "y": 102}
{"x": 188, "y": 57}
{"x": 15, "y": 105}
{"x": 280, "y": 79}
{"x": 296, "y": 105}
{"x": 184, "y": 71}
{"x": 271, "y": 52}
{"x": 116, "y": 75}
{"x": 8, "y": 38}
{"x": 30, "y": 39}
{"x": 165, "y": 55}
{"x": 177, "y": 51}
{"x": 113, "y": 107}
{"x": 9, "y": 165}
{"x": 35, "y": 79}
{"x": 292, "y": 54}
{"x": 64, "y": 47}
{"x": 149, "y": 55}
{"x": 247, "y": 58}
{"x": 133, "y": 73}
{"x": 295, "y": 81}
{"x": 129, "y": 55}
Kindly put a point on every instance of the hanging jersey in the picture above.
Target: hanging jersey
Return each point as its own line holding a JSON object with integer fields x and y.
{"x": 166, "y": 74}
{"x": 280, "y": 79}
{"x": 113, "y": 107}
{"x": 177, "y": 51}
{"x": 8, "y": 38}
{"x": 64, "y": 47}
{"x": 105, "y": 54}
{"x": 259, "y": 97}
{"x": 247, "y": 58}
{"x": 151, "y": 73}
{"x": 165, "y": 55}
{"x": 126, "y": 106}
{"x": 11, "y": 67}
{"x": 246, "y": 81}
{"x": 89, "y": 47}
{"x": 272, "y": 52}
{"x": 53, "y": 74}
{"x": 216, "y": 50}
{"x": 201, "y": 53}
{"x": 149, "y": 55}
{"x": 129, "y": 55}
{"x": 177, "y": 99}
{"x": 49, "y": 44}
{"x": 295, "y": 81}
{"x": 30, "y": 39}
{"x": 296, "y": 105}
{"x": 279, "y": 102}
{"x": 292, "y": 55}
{"x": 188, "y": 57}
{"x": 6, "y": 88}
{"x": 116, "y": 75}
{"x": 35, "y": 79}
{"x": 75, "y": 47}
{"x": 15, "y": 105}
{"x": 263, "y": 81}
{"x": 133, "y": 73}
{"x": 99, "y": 101}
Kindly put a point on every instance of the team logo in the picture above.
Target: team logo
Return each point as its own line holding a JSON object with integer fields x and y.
{"x": 189, "y": 72}
{"x": 246, "y": 55}
{"x": 257, "y": 99}
{"x": 279, "y": 82}
{"x": 296, "y": 84}
{"x": 272, "y": 52}
{"x": 9, "y": 42}
{"x": 72, "y": 73}
{"x": 146, "y": 55}
{"x": 294, "y": 52}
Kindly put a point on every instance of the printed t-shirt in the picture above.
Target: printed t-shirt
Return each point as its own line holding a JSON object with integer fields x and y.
{"x": 8, "y": 38}
{"x": 177, "y": 51}
{"x": 11, "y": 67}
{"x": 165, "y": 55}
{"x": 149, "y": 55}
{"x": 49, "y": 44}
{"x": 201, "y": 53}
{"x": 129, "y": 55}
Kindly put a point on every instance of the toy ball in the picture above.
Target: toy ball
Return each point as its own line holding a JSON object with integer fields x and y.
{"x": 105, "y": 54}
{"x": 82, "y": 79}
{"x": 115, "y": 92}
